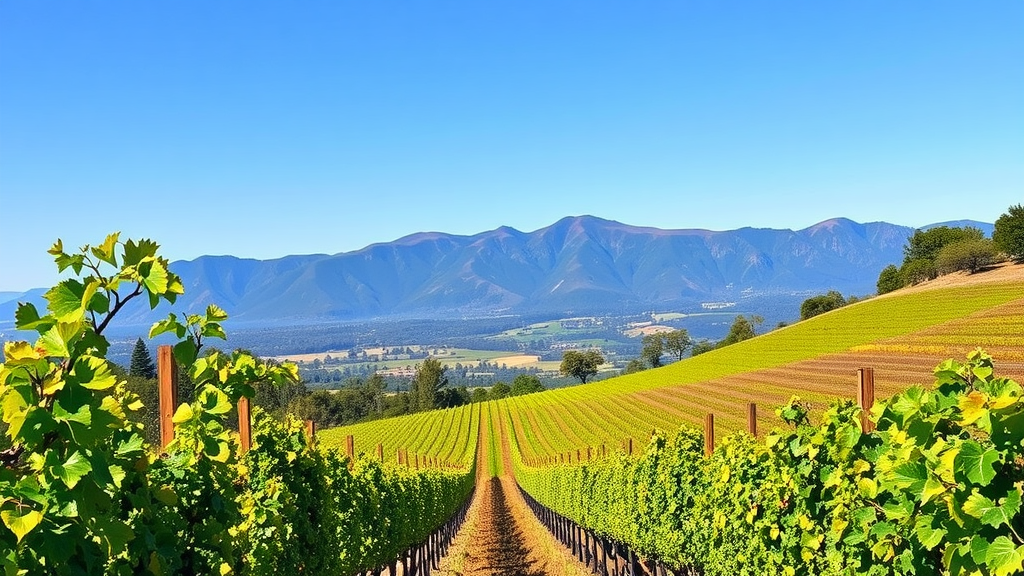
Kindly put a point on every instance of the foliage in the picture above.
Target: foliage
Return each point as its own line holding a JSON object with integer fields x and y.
{"x": 581, "y": 365}
{"x": 935, "y": 490}
{"x": 525, "y": 384}
{"x": 633, "y": 366}
{"x": 1009, "y": 232}
{"x": 889, "y": 279}
{"x": 498, "y": 391}
{"x": 926, "y": 244}
{"x": 677, "y": 342}
{"x": 968, "y": 255}
{"x": 917, "y": 271}
{"x": 816, "y": 305}
{"x": 82, "y": 492}
{"x": 652, "y": 349}
{"x": 742, "y": 329}
{"x": 430, "y": 379}
{"x": 702, "y": 347}
{"x": 142, "y": 363}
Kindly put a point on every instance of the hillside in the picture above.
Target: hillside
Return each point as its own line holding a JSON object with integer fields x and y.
{"x": 580, "y": 264}
{"x": 902, "y": 335}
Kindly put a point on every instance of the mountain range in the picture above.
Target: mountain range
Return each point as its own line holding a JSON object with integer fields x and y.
{"x": 580, "y": 265}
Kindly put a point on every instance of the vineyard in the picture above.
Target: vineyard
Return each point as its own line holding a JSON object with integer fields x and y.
{"x": 930, "y": 484}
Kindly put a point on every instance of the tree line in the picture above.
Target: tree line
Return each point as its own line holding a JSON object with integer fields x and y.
{"x": 944, "y": 250}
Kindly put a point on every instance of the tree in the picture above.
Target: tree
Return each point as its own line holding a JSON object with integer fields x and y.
{"x": 926, "y": 244}
{"x": 634, "y": 365}
{"x": 742, "y": 329}
{"x": 478, "y": 395}
{"x": 677, "y": 342}
{"x": 142, "y": 362}
{"x": 498, "y": 391}
{"x": 430, "y": 378}
{"x": 1009, "y": 232}
{"x": 525, "y": 384}
{"x": 581, "y": 365}
{"x": 701, "y": 347}
{"x": 889, "y": 280}
{"x": 969, "y": 255}
{"x": 820, "y": 304}
{"x": 652, "y": 349}
{"x": 916, "y": 271}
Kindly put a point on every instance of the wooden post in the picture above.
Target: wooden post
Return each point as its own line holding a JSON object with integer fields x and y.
{"x": 589, "y": 457}
{"x": 629, "y": 444}
{"x": 380, "y": 452}
{"x": 167, "y": 370}
{"x": 244, "y": 426}
{"x": 400, "y": 461}
{"x": 752, "y": 418}
{"x": 709, "y": 434}
{"x": 866, "y": 397}
{"x": 350, "y": 450}
{"x": 311, "y": 432}
{"x": 417, "y": 460}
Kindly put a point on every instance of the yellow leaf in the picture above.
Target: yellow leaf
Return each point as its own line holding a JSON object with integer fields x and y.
{"x": 972, "y": 406}
{"x": 182, "y": 414}
{"x": 21, "y": 525}
{"x": 20, "y": 353}
{"x": 224, "y": 569}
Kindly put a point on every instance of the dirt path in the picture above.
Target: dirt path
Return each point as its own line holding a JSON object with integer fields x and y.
{"x": 501, "y": 536}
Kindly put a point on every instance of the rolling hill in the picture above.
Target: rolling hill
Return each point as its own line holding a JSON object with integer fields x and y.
{"x": 903, "y": 335}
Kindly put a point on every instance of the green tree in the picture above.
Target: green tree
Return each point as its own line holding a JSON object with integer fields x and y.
{"x": 916, "y": 271}
{"x": 742, "y": 329}
{"x": 1009, "y": 232}
{"x": 677, "y": 342}
{"x": 581, "y": 365}
{"x": 820, "y": 304}
{"x": 652, "y": 348}
{"x": 430, "y": 378}
{"x": 142, "y": 363}
{"x": 969, "y": 255}
{"x": 478, "y": 395}
{"x": 498, "y": 391}
{"x": 634, "y": 365}
{"x": 926, "y": 244}
{"x": 525, "y": 384}
{"x": 889, "y": 280}
{"x": 702, "y": 346}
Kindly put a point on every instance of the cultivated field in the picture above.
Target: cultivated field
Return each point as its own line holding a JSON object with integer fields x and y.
{"x": 902, "y": 336}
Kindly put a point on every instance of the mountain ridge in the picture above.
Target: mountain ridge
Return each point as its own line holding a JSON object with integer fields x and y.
{"x": 582, "y": 264}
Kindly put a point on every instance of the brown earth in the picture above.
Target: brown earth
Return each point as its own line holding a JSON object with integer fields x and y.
{"x": 501, "y": 536}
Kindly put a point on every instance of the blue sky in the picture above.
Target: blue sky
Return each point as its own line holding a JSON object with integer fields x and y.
{"x": 262, "y": 129}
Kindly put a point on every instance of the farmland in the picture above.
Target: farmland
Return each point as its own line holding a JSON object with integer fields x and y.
{"x": 903, "y": 336}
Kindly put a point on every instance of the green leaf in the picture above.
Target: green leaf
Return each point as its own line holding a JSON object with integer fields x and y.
{"x": 929, "y": 536}
{"x": 185, "y": 352}
{"x": 82, "y": 416}
{"x": 56, "y": 340}
{"x": 21, "y": 524}
{"x": 73, "y": 470}
{"x": 154, "y": 276}
{"x": 1003, "y": 557}
{"x": 93, "y": 373}
{"x": 26, "y": 317}
{"x": 911, "y": 476}
{"x": 66, "y": 301}
{"x": 169, "y": 324}
{"x": 991, "y": 513}
{"x": 135, "y": 251}
{"x": 976, "y": 462}
{"x": 130, "y": 446}
{"x": 215, "y": 313}
{"x": 105, "y": 251}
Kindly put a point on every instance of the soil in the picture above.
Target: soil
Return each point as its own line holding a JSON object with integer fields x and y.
{"x": 501, "y": 536}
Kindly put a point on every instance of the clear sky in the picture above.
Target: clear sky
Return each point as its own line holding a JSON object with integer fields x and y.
{"x": 261, "y": 129}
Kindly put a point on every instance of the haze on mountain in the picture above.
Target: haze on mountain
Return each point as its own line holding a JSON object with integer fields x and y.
{"x": 578, "y": 265}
